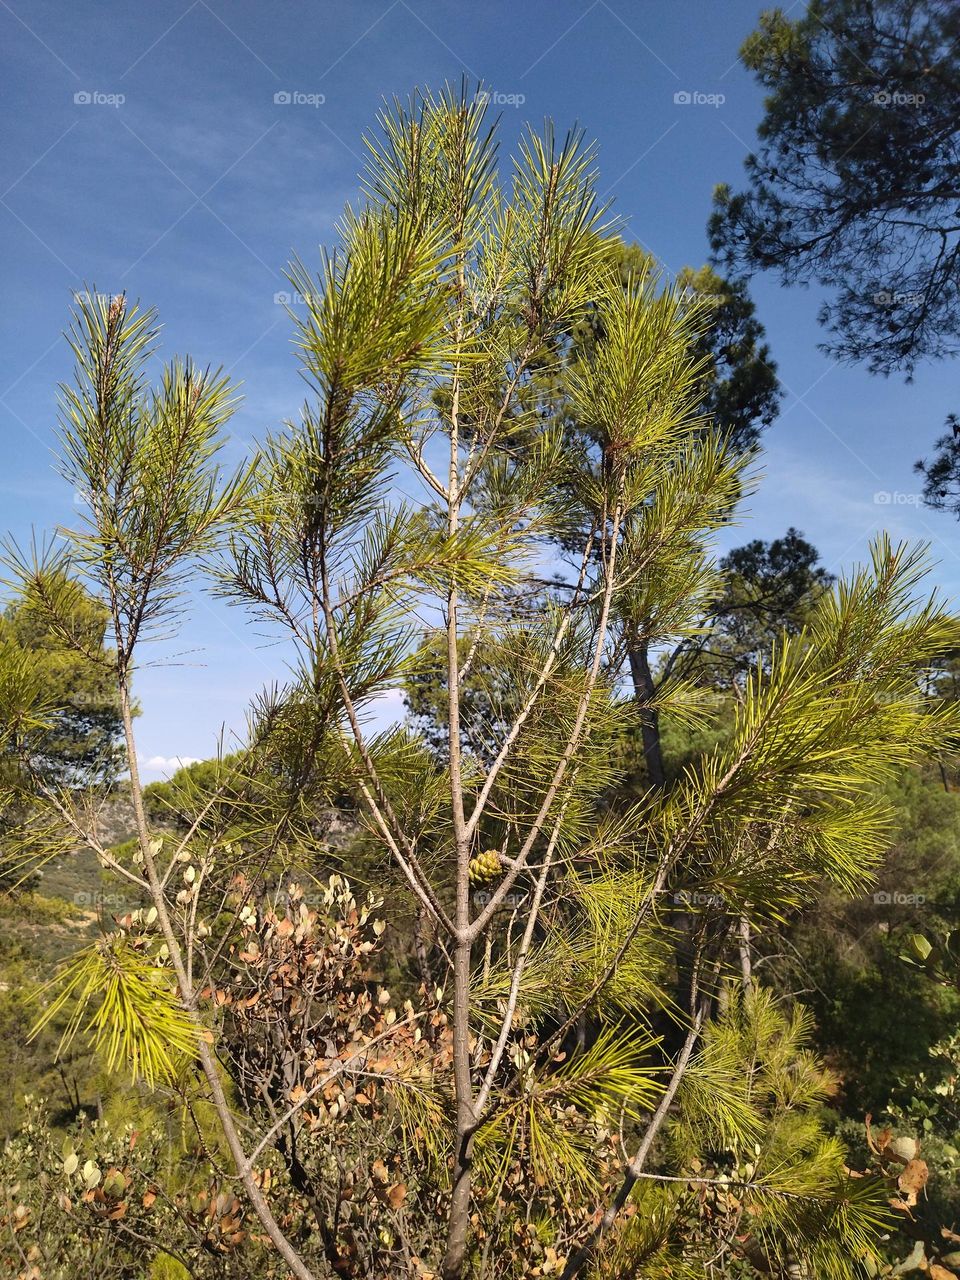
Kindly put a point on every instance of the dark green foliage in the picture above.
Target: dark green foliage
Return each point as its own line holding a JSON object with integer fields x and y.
{"x": 941, "y": 474}
{"x": 769, "y": 590}
{"x": 877, "y": 1016}
{"x": 69, "y": 733}
{"x": 79, "y": 743}
{"x": 853, "y": 184}
{"x": 871, "y": 1012}
{"x": 741, "y": 392}
{"x": 35, "y": 933}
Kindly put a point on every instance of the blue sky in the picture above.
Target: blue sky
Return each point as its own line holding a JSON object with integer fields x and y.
{"x": 144, "y": 151}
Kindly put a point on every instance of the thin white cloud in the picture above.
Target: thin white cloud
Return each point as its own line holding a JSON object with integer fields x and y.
{"x": 167, "y": 764}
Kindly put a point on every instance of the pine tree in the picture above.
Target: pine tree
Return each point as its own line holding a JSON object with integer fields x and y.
{"x": 507, "y": 1117}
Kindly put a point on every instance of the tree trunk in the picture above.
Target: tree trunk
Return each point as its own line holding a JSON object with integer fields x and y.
{"x": 458, "y": 1224}
{"x": 746, "y": 959}
{"x": 681, "y": 921}
{"x": 644, "y": 690}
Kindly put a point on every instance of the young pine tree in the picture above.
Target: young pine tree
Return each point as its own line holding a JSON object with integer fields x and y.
{"x": 536, "y": 1103}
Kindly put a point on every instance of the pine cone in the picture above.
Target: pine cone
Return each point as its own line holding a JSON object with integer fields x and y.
{"x": 485, "y": 867}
